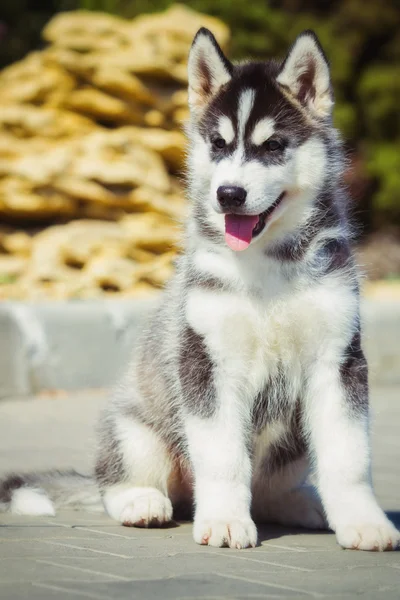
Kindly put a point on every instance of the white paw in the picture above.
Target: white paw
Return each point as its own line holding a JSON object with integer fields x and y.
{"x": 151, "y": 509}
{"x": 368, "y": 536}
{"x": 234, "y": 533}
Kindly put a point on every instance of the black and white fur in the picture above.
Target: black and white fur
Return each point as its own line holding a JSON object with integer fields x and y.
{"x": 251, "y": 369}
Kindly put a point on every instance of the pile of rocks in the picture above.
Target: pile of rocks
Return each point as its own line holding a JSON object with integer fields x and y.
{"x": 90, "y": 133}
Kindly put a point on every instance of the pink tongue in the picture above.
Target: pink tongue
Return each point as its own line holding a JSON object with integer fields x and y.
{"x": 238, "y": 231}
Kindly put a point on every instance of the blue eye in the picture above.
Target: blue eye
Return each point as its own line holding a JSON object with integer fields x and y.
{"x": 218, "y": 143}
{"x": 272, "y": 145}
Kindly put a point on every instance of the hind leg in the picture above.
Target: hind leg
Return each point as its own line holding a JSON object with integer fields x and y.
{"x": 283, "y": 497}
{"x": 132, "y": 470}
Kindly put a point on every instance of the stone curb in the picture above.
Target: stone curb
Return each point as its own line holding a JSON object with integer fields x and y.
{"x": 85, "y": 344}
{"x": 66, "y": 345}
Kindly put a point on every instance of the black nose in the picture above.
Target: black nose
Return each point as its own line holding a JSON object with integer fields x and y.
{"x": 231, "y": 196}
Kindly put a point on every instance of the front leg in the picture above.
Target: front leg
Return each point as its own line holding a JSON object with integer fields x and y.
{"x": 222, "y": 473}
{"x": 339, "y": 436}
{"x": 219, "y": 363}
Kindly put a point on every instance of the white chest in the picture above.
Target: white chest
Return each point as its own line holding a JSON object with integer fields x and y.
{"x": 250, "y": 337}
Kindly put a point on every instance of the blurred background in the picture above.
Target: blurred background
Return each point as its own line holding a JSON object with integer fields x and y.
{"x": 92, "y": 101}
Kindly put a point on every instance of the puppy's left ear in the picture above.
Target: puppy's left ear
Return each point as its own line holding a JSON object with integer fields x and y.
{"x": 305, "y": 74}
{"x": 208, "y": 70}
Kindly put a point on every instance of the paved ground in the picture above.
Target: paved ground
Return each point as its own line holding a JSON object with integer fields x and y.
{"x": 77, "y": 555}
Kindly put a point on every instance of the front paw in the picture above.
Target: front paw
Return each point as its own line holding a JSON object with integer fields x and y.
{"x": 235, "y": 533}
{"x": 369, "y": 536}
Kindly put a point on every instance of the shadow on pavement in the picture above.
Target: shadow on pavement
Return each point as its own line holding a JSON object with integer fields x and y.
{"x": 394, "y": 516}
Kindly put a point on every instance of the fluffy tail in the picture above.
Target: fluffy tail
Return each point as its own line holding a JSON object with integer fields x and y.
{"x": 43, "y": 493}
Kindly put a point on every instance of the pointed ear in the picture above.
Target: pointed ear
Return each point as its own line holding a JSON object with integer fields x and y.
{"x": 305, "y": 74}
{"x": 208, "y": 70}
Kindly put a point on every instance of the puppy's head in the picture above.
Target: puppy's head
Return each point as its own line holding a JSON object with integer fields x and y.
{"x": 258, "y": 156}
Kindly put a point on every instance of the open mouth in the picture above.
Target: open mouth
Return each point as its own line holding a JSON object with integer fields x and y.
{"x": 241, "y": 229}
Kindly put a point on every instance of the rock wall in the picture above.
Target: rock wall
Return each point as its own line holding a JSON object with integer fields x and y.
{"x": 91, "y": 136}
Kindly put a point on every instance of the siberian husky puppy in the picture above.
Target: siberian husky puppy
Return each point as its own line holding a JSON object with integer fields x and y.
{"x": 251, "y": 369}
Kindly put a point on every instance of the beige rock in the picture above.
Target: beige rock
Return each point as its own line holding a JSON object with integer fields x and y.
{"x": 173, "y": 31}
{"x": 141, "y": 289}
{"x": 33, "y": 80}
{"x": 122, "y": 84}
{"x": 111, "y": 273}
{"x": 97, "y": 104}
{"x": 151, "y": 45}
{"x": 180, "y": 98}
{"x": 19, "y": 199}
{"x": 100, "y": 212}
{"x": 180, "y": 116}
{"x": 83, "y": 240}
{"x": 27, "y": 121}
{"x": 18, "y": 243}
{"x": 146, "y": 200}
{"x": 181, "y": 22}
{"x": 170, "y": 144}
{"x": 39, "y": 166}
{"x": 140, "y": 256}
{"x": 113, "y": 157}
{"x": 86, "y": 30}
{"x": 46, "y": 262}
{"x": 79, "y": 65}
{"x": 150, "y": 232}
{"x": 11, "y": 267}
{"x": 157, "y": 272}
{"x": 87, "y": 190}
{"x": 58, "y": 160}
{"x": 154, "y": 118}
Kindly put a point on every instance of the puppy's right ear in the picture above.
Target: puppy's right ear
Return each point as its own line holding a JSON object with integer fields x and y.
{"x": 208, "y": 70}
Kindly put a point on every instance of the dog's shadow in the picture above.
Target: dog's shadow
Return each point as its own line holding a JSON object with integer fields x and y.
{"x": 394, "y": 516}
{"x": 271, "y": 531}
{"x": 268, "y": 532}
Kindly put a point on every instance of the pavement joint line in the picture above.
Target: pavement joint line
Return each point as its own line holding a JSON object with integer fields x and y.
{"x": 267, "y": 562}
{"x": 125, "y": 537}
{"x": 251, "y": 596}
{"x": 60, "y": 556}
{"x": 286, "y": 548}
{"x": 87, "y": 549}
{"x": 39, "y": 539}
{"x": 268, "y": 584}
{"x": 57, "y": 588}
{"x": 73, "y": 567}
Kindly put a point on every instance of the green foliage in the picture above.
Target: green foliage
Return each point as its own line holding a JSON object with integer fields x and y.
{"x": 379, "y": 93}
{"x": 384, "y": 164}
{"x": 110, "y": 6}
{"x": 6, "y": 278}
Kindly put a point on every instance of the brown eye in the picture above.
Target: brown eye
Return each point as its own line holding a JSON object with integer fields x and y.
{"x": 272, "y": 145}
{"x": 219, "y": 143}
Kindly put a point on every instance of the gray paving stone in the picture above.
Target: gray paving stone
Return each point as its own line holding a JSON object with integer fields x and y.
{"x": 205, "y": 586}
{"x": 87, "y": 555}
